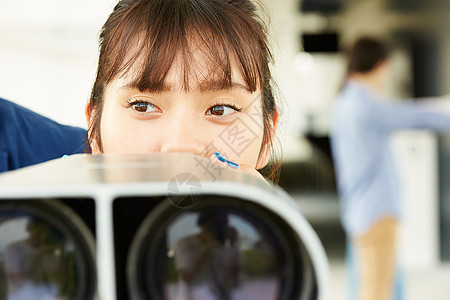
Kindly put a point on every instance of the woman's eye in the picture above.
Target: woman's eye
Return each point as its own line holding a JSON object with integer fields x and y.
{"x": 144, "y": 107}
{"x": 222, "y": 110}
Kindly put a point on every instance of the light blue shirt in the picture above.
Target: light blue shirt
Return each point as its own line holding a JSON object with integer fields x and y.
{"x": 367, "y": 178}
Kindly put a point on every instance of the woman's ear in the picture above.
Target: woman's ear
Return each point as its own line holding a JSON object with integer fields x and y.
{"x": 88, "y": 113}
{"x": 265, "y": 152}
{"x": 275, "y": 120}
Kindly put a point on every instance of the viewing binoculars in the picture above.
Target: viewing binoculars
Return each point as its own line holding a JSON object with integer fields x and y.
{"x": 157, "y": 226}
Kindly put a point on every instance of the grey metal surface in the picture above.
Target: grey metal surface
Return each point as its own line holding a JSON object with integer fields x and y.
{"x": 108, "y": 168}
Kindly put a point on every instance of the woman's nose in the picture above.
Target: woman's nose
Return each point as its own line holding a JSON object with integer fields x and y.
{"x": 183, "y": 135}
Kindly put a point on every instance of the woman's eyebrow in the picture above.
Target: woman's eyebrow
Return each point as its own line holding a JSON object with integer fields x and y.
{"x": 220, "y": 86}
{"x": 128, "y": 87}
{"x": 132, "y": 86}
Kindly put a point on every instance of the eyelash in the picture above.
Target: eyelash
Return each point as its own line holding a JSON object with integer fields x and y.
{"x": 133, "y": 102}
{"x": 232, "y": 106}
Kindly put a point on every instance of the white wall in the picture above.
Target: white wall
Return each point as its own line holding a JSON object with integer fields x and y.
{"x": 48, "y": 52}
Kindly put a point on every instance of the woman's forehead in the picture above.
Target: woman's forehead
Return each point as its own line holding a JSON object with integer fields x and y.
{"x": 197, "y": 74}
{"x": 202, "y": 76}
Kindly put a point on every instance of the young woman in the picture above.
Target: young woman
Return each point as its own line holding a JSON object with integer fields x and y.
{"x": 184, "y": 76}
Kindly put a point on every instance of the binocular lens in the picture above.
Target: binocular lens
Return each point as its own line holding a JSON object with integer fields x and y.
{"x": 219, "y": 250}
{"x": 41, "y": 256}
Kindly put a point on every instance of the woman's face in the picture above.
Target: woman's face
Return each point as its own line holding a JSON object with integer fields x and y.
{"x": 204, "y": 120}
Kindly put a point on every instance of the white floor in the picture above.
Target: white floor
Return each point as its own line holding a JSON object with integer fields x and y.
{"x": 433, "y": 284}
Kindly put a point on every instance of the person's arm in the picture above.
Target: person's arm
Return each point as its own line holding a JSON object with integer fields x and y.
{"x": 28, "y": 138}
{"x": 408, "y": 114}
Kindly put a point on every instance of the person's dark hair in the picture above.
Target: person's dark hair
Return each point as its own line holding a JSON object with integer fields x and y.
{"x": 148, "y": 35}
{"x": 365, "y": 54}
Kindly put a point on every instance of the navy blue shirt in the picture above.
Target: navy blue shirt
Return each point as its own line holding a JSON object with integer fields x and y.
{"x": 27, "y": 138}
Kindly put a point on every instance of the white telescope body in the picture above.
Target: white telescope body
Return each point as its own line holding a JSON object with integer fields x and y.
{"x": 157, "y": 226}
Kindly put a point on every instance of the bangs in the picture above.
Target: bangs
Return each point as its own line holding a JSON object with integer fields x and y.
{"x": 205, "y": 37}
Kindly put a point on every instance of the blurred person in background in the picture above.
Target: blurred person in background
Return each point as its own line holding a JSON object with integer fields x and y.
{"x": 28, "y": 138}
{"x": 367, "y": 179}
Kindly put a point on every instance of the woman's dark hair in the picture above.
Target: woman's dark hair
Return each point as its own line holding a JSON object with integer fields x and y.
{"x": 365, "y": 54}
{"x": 148, "y": 35}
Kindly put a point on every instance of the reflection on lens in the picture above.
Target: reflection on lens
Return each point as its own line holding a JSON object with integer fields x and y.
{"x": 226, "y": 258}
{"x": 39, "y": 256}
{"x": 215, "y": 251}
